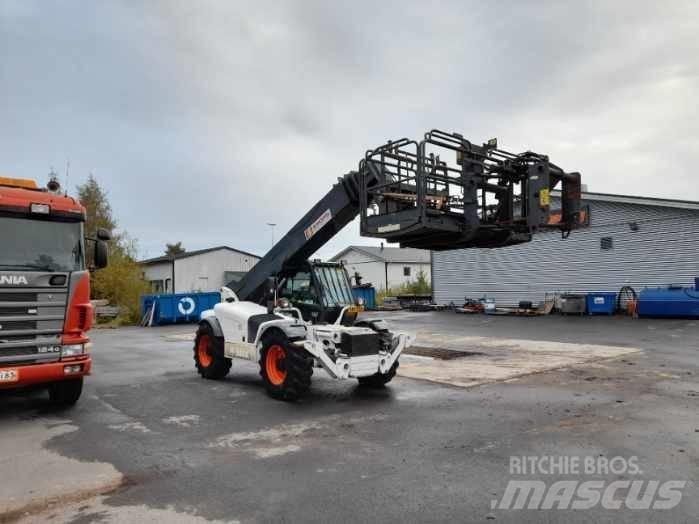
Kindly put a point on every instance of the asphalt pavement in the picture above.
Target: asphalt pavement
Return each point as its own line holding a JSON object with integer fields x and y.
{"x": 151, "y": 440}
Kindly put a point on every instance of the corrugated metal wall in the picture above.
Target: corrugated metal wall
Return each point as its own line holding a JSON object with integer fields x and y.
{"x": 664, "y": 250}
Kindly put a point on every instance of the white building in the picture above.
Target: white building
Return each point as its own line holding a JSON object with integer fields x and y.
{"x": 197, "y": 271}
{"x": 631, "y": 241}
{"x": 384, "y": 267}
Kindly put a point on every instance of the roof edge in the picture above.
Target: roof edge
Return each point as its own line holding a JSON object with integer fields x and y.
{"x": 631, "y": 199}
{"x": 186, "y": 254}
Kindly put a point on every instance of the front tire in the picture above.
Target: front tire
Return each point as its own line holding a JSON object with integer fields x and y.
{"x": 208, "y": 354}
{"x": 378, "y": 380}
{"x": 285, "y": 369}
{"x": 66, "y": 392}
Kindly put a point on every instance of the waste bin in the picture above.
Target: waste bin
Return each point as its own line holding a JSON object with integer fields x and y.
{"x": 601, "y": 303}
{"x": 367, "y": 294}
{"x": 573, "y": 304}
{"x": 177, "y": 308}
{"x": 680, "y": 302}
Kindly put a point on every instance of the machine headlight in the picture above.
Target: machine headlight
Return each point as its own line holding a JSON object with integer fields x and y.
{"x": 72, "y": 350}
{"x": 360, "y": 301}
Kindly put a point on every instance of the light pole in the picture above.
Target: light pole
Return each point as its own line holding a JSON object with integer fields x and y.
{"x": 272, "y": 225}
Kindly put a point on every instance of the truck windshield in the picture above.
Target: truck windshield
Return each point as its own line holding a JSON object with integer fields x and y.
{"x": 41, "y": 245}
{"x": 335, "y": 286}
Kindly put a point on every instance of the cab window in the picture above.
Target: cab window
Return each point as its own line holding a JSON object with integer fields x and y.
{"x": 298, "y": 289}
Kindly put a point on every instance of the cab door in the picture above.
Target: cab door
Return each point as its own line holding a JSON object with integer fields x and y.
{"x": 300, "y": 290}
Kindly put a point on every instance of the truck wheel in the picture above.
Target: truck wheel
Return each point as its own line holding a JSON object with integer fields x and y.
{"x": 66, "y": 392}
{"x": 377, "y": 380}
{"x": 208, "y": 354}
{"x": 285, "y": 369}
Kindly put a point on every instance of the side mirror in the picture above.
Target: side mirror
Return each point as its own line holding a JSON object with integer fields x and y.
{"x": 271, "y": 287}
{"x": 103, "y": 234}
{"x": 101, "y": 254}
{"x": 271, "y": 293}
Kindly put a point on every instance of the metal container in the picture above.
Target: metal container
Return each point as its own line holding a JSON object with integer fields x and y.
{"x": 601, "y": 303}
{"x": 367, "y": 294}
{"x": 573, "y": 304}
{"x": 669, "y": 302}
{"x": 177, "y": 308}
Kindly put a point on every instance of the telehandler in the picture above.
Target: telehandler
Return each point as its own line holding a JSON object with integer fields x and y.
{"x": 292, "y": 315}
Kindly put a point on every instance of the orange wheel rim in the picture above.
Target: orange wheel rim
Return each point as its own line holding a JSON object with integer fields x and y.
{"x": 204, "y": 351}
{"x": 275, "y": 364}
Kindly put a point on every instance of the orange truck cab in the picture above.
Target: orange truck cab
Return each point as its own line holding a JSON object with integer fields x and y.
{"x": 45, "y": 309}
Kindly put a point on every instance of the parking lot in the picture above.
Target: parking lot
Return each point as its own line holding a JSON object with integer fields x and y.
{"x": 151, "y": 440}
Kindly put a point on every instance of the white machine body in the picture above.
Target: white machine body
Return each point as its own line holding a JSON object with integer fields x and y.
{"x": 343, "y": 351}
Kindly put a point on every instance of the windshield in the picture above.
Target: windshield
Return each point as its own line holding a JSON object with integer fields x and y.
{"x": 335, "y": 286}
{"x": 40, "y": 245}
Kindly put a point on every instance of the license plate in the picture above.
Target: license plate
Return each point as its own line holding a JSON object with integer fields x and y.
{"x": 355, "y": 309}
{"x": 9, "y": 375}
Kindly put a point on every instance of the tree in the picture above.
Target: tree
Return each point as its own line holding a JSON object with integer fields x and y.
{"x": 121, "y": 282}
{"x": 99, "y": 212}
{"x": 421, "y": 286}
{"x": 173, "y": 250}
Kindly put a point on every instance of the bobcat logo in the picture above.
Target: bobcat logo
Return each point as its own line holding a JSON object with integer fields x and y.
{"x": 13, "y": 280}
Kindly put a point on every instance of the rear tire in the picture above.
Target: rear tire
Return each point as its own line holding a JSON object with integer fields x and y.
{"x": 285, "y": 369}
{"x": 208, "y": 354}
{"x": 66, "y": 392}
{"x": 378, "y": 380}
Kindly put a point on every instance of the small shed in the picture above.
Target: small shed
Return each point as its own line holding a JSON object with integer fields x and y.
{"x": 204, "y": 270}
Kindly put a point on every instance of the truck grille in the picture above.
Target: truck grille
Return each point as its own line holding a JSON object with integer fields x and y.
{"x": 13, "y": 311}
{"x": 22, "y": 332}
{"x": 16, "y": 352}
{"x": 18, "y": 297}
{"x": 16, "y": 325}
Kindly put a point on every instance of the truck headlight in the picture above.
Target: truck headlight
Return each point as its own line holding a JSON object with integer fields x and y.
{"x": 72, "y": 350}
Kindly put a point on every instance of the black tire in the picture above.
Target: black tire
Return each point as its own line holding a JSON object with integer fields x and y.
{"x": 378, "y": 380}
{"x": 208, "y": 354}
{"x": 66, "y": 392}
{"x": 293, "y": 365}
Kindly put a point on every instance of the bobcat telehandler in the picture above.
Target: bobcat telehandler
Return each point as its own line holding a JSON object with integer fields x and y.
{"x": 292, "y": 315}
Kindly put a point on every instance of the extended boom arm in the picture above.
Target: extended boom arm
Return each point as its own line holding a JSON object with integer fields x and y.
{"x": 440, "y": 193}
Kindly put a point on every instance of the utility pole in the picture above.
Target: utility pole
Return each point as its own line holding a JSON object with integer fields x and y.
{"x": 272, "y": 225}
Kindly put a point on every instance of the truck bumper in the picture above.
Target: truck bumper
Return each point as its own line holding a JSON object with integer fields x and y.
{"x": 33, "y": 374}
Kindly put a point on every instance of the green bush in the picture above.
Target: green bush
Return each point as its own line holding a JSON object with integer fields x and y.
{"x": 419, "y": 286}
{"x": 121, "y": 282}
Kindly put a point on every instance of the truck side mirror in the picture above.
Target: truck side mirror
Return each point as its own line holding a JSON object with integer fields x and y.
{"x": 101, "y": 254}
{"x": 103, "y": 234}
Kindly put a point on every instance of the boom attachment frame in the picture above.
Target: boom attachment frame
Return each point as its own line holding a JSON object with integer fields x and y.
{"x": 445, "y": 192}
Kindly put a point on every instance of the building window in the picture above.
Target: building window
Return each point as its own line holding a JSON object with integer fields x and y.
{"x": 406, "y": 271}
{"x": 606, "y": 243}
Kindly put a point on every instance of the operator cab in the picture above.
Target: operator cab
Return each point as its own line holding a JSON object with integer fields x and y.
{"x": 320, "y": 290}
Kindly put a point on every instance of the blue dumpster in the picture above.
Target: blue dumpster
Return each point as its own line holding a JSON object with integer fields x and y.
{"x": 672, "y": 301}
{"x": 178, "y": 307}
{"x": 601, "y": 303}
{"x": 366, "y": 293}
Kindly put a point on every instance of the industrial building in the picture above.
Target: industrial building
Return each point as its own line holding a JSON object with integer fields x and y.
{"x": 631, "y": 241}
{"x": 384, "y": 267}
{"x": 197, "y": 271}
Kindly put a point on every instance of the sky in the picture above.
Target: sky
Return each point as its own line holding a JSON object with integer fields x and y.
{"x": 206, "y": 120}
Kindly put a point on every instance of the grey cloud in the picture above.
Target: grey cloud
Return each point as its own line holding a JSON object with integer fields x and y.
{"x": 206, "y": 120}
